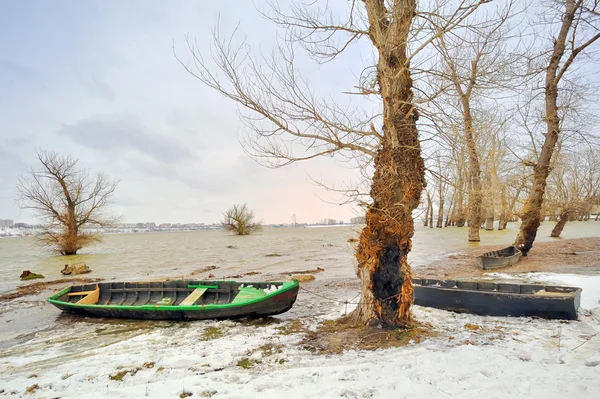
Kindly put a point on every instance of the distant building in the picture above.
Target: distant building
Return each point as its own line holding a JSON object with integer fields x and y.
{"x": 150, "y": 225}
{"x": 6, "y": 223}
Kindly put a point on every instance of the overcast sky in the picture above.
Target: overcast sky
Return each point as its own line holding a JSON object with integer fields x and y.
{"x": 98, "y": 80}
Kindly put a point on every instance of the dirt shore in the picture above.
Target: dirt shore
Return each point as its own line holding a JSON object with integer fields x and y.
{"x": 577, "y": 256}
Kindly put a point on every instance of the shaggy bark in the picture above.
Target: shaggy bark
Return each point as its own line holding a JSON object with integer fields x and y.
{"x": 398, "y": 180}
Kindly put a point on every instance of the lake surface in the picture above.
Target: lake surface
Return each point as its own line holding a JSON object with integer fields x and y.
{"x": 31, "y": 324}
{"x": 174, "y": 254}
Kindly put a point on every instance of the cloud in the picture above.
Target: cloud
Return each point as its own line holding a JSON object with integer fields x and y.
{"x": 118, "y": 133}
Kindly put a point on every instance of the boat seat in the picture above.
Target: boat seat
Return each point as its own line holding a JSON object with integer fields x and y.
{"x": 248, "y": 293}
{"x": 90, "y": 298}
{"x": 193, "y": 297}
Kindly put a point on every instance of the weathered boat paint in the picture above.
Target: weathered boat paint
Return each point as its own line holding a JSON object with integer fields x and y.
{"x": 146, "y": 300}
{"x": 498, "y": 299}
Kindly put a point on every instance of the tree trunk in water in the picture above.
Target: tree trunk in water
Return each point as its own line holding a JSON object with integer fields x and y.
{"x": 560, "y": 225}
{"x": 475, "y": 197}
{"x": 533, "y": 205}
{"x": 449, "y": 213}
{"x": 489, "y": 223}
{"x": 430, "y": 213}
{"x": 427, "y": 210}
{"x": 398, "y": 181}
{"x": 440, "y": 218}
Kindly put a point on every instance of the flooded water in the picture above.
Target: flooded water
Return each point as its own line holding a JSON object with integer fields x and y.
{"x": 152, "y": 255}
{"x": 144, "y": 256}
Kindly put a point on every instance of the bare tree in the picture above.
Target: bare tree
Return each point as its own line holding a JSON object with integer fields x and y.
{"x": 579, "y": 29}
{"x": 68, "y": 199}
{"x": 474, "y": 61}
{"x": 573, "y": 186}
{"x": 240, "y": 220}
{"x": 288, "y": 122}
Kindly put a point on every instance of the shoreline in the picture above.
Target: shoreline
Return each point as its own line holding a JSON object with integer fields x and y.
{"x": 573, "y": 256}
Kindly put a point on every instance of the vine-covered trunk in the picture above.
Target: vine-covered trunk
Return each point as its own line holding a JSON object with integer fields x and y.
{"x": 398, "y": 181}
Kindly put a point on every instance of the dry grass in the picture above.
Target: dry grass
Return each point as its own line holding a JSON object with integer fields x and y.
{"x": 337, "y": 336}
{"x": 303, "y": 278}
{"x": 310, "y": 271}
{"x": 35, "y": 288}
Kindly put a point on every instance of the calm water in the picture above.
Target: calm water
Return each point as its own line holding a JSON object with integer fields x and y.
{"x": 151, "y": 255}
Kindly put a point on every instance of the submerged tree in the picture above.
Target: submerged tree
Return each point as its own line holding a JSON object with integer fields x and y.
{"x": 240, "y": 220}
{"x": 286, "y": 116}
{"x": 68, "y": 199}
{"x": 579, "y": 28}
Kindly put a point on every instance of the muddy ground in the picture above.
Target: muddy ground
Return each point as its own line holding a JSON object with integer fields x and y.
{"x": 577, "y": 256}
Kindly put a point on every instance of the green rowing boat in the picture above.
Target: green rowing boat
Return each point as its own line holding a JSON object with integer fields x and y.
{"x": 178, "y": 300}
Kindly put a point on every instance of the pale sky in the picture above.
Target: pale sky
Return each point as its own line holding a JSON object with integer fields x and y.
{"x": 98, "y": 80}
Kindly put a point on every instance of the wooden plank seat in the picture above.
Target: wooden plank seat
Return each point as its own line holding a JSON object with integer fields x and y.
{"x": 90, "y": 298}
{"x": 80, "y": 293}
{"x": 193, "y": 297}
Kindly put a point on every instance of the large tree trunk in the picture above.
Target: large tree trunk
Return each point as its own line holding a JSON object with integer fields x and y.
{"x": 398, "y": 180}
{"x": 475, "y": 197}
{"x": 533, "y": 205}
{"x": 560, "y": 225}
{"x": 502, "y": 219}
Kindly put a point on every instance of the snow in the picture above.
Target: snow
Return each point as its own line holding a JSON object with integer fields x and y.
{"x": 500, "y": 358}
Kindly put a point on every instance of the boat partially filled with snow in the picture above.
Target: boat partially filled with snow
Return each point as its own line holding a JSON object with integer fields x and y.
{"x": 178, "y": 300}
{"x": 499, "y": 299}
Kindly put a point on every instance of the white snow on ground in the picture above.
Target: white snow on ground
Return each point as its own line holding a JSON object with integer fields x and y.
{"x": 499, "y": 358}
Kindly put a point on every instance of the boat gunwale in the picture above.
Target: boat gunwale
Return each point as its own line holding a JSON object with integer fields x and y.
{"x": 573, "y": 293}
{"x": 291, "y": 285}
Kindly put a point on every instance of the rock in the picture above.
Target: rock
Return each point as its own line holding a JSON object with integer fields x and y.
{"x": 75, "y": 268}
{"x": 28, "y": 275}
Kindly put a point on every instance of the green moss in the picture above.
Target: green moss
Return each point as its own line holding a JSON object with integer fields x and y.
{"x": 185, "y": 394}
{"x": 247, "y": 363}
{"x": 293, "y": 327}
{"x": 208, "y": 394}
{"x": 211, "y": 333}
{"x": 273, "y": 254}
{"x": 32, "y": 276}
{"x": 270, "y": 349}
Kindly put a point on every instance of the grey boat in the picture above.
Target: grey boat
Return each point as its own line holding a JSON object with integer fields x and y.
{"x": 496, "y": 259}
{"x": 498, "y": 299}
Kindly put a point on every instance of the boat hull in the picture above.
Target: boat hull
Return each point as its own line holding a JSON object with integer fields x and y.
{"x": 498, "y": 259}
{"x": 499, "y": 299}
{"x": 272, "y": 304}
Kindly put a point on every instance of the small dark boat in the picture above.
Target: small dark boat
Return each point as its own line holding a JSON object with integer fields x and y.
{"x": 178, "y": 300}
{"x": 496, "y": 259}
{"x": 498, "y": 299}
